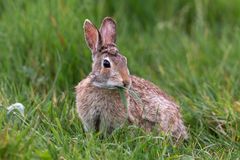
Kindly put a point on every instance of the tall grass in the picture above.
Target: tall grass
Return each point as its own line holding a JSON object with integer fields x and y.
{"x": 189, "y": 48}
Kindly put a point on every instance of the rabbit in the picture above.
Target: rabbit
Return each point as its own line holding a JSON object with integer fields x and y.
{"x": 98, "y": 100}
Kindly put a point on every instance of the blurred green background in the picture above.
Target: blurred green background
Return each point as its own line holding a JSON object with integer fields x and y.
{"x": 191, "y": 49}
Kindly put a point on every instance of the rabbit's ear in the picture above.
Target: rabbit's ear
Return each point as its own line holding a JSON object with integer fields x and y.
{"x": 108, "y": 30}
{"x": 92, "y": 35}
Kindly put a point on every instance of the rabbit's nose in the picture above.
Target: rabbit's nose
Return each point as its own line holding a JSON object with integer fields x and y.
{"x": 126, "y": 83}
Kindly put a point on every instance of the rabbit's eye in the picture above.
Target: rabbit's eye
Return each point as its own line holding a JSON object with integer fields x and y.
{"x": 106, "y": 63}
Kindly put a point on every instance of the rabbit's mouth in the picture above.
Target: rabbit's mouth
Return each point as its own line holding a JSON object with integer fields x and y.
{"x": 109, "y": 85}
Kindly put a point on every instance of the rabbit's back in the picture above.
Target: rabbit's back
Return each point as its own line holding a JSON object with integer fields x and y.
{"x": 152, "y": 108}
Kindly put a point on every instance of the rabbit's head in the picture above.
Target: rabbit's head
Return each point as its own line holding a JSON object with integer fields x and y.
{"x": 109, "y": 68}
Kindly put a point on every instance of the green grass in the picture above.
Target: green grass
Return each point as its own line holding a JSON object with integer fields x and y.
{"x": 191, "y": 49}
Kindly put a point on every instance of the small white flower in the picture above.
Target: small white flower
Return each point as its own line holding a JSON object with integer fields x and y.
{"x": 20, "y": 107}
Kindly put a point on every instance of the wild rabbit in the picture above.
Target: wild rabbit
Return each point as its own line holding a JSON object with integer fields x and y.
{"x": 98, "y": 99}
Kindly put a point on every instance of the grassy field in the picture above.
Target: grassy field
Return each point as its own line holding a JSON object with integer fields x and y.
{"x": 191, "y": 49}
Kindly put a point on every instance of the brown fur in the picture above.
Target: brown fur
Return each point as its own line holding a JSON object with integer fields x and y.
{"x": 98, "y": 101}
